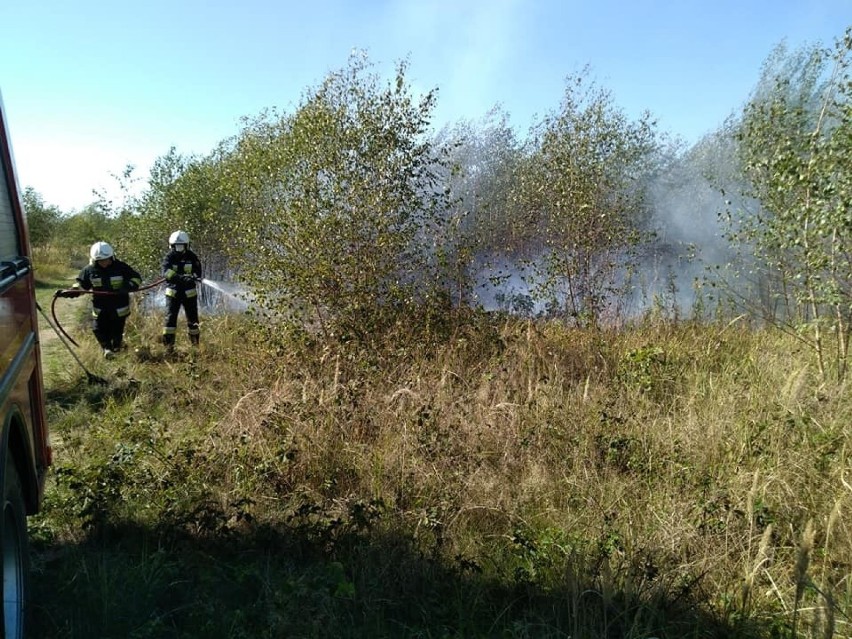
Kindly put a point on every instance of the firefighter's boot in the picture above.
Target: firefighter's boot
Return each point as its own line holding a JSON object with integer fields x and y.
{"x": 194, "y": 333}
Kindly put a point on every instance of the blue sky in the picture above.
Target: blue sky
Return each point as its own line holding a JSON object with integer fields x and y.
{"x": 91, "y": 86}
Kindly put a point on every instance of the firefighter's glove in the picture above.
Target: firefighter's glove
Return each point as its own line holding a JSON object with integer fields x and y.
{"x": 69, "y": 293}
{"x": 188, "y": 280}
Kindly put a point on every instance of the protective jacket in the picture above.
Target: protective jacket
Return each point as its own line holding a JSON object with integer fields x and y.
{"x": 118, "y": 278}
{"x": 177, "y": 265}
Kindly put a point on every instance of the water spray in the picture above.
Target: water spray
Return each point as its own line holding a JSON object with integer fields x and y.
{"x": 214, "y": 285}
{"x": 219, "y": 288}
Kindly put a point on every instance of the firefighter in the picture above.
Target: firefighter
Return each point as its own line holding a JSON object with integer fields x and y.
{"x": 181, "y": 270}
{"x": 111, "y": 282}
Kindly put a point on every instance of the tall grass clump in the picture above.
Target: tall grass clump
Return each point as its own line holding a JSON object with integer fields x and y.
{"x": 498, "y": 477}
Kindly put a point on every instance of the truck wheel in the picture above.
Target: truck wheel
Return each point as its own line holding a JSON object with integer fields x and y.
{"x": 15, "y": 553}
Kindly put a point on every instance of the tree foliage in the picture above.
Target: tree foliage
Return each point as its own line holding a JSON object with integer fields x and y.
{"x": 796, "y": 152}
{"x": 344, "y": 214}
{"x": 183, "y": 193}
{"x": 552, "y": 223}
{"x": 90, "y": 225}
{"x": 336, "y": 203}
{"x": 484, "y": 157}
{"x": 581, "y": 191}
{"x": 42, "y": 219}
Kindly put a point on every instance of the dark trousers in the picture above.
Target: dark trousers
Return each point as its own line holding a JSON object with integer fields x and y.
{"x": 108, "y": 328}
{"x": 190, "y": 309}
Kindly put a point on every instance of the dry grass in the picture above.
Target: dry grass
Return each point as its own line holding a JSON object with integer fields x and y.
{"x": 664, "y": 476}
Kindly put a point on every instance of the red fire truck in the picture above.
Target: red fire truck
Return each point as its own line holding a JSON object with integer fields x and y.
{"x": 25, "y": 453}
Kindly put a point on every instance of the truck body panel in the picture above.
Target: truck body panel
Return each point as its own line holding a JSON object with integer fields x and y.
{"x": 22, "y": 410}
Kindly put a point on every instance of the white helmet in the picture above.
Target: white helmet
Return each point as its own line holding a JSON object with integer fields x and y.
{"x": 101, "y": 251}
{"x": 179, "y": 237}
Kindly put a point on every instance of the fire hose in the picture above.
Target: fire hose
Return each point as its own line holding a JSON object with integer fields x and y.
{"x": 93, "y": 379}
{"x": 80, "y": 291}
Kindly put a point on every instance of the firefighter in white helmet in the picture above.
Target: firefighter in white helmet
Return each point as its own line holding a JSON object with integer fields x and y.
{"x": 111, "y": 282}
{"x": 181, "y": 270}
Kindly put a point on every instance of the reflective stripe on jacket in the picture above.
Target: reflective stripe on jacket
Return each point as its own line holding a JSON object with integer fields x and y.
{"x": 118, "y": 278}
{"x": 177, "y": 264}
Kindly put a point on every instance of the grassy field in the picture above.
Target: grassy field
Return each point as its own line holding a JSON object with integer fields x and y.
{"x": 511, "y": 479}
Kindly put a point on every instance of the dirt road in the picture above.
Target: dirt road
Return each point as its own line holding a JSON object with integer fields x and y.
{"x": 57, "y": 362}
